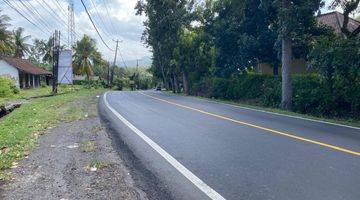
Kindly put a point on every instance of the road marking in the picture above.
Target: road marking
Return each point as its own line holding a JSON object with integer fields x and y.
{"x": 279, "y": 114}
{"x": 258, "y": 127}
{"x": 211, "y": 193}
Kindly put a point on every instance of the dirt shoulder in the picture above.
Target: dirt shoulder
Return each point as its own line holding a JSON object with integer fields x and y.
{"x": 74, "y": 160}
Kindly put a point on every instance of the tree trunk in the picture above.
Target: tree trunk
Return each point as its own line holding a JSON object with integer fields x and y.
{"x": 171, "y": 83}
{"x": 176, "y": 83}
{"x": 276, "y": 70}
{"x": 186, "y": 83}
{"x": 286, "y": 73}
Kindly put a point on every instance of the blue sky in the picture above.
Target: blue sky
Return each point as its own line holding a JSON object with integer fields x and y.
{"x": 126, "y": 25}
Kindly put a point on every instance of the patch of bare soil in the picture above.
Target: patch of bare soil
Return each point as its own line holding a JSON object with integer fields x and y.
{"x": 75, "y": 160}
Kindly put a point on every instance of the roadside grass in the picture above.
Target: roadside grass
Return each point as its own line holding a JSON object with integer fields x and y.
{"x": 25, "y": 94}
{"x": 96, "y": 128}
{"x": 348, "y": 122}
{"x": 88, "y": 146}
{"x": 97, "y": 164}
{"x": 19, "y": 130}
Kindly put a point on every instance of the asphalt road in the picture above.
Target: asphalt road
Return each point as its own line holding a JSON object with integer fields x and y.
{"x": 202, "y": 149}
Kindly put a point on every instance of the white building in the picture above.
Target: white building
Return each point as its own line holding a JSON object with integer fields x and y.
{"x": 25, "y": 74}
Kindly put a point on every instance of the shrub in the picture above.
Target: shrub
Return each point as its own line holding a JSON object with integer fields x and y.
{"x": 121, "y": 83}
{"x": 271, "y": 92}
{"x": 91, "y": 83}
{"x": 7, "y": 87}
{"x": 311, "y": 93}
{"x": 337, "y": 61}
{"x": 248, "y": 86}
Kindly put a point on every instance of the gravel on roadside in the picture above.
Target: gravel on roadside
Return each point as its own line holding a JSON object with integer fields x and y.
{"x": 75, "y": 160}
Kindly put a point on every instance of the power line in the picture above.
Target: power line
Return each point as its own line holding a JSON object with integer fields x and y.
{"x": 101, "y": 18}
{"x": 32, "y": 9}
{"x": 108, "y": 14}
{"x": 122, "y": 59}
{"x": 33, "y": 15}
{"x": 61, "y": 8}
{"x": 14, "y": 8}
{"x": 52, "y": 12}
{"x": 95, "y": 26}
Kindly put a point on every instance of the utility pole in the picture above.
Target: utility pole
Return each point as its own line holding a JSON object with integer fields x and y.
{"x": 56, "y": 52}
{"x": 114, "y": 64}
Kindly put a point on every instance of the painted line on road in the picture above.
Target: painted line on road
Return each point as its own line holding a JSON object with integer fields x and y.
{"x": 211, "y": 193}
{"x": 280, "y": 114}
{"x": 333, "y": 147}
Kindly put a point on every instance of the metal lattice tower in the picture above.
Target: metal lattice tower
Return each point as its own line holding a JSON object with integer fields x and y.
{"x": 71, "y": 24}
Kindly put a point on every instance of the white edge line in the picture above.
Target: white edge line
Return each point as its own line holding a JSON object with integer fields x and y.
{"x": 279, "y": 114}
{"x": 211, "y": 193}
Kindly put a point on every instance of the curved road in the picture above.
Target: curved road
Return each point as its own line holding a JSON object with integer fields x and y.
{"x": 206, "y": 150}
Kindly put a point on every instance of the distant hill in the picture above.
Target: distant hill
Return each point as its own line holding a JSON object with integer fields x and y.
{"x": 145, "y": 61}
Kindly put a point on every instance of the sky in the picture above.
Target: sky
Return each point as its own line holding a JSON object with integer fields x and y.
{"x": 115, "y": 19}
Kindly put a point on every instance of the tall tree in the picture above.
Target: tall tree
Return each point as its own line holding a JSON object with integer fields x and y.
{"x": 162, "y": 33}
{"x": 244, "y": 34}
{"x": 5, "y": 35}
{"x": 20, "y": 45}
{"x": 84, "y": 56}
{"x": 295, "y": 19}
{"x": 286, "y": 56}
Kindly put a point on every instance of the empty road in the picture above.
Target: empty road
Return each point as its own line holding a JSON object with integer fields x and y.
{"x": 206, "y": 150}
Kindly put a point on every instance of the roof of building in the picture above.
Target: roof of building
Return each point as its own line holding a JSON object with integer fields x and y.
{"x": 26, "y": 66}
{"x": 335, "y": 20}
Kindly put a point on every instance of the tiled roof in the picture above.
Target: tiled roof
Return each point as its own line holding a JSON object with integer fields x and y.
{"x": 25, "y": 66}
{"x": 336, "y": 20}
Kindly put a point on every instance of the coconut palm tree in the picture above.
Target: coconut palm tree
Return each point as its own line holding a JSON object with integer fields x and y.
{"x": 20, "y": 45}
{"x": 47, "y": 50}
{"x": 84, "y": 56}
{"x": 5, "y": 36}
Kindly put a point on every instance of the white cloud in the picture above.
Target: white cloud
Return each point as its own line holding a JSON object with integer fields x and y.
{"x": 126, "y": 26}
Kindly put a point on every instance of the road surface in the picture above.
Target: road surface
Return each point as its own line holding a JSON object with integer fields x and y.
{"x": 206, "y": 150}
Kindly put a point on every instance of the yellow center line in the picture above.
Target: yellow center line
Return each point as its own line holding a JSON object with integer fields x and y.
{"x": 259, "y": 127}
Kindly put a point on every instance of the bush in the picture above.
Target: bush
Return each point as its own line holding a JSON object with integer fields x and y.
{"x": 337, "y": 61}
{"x": 7, "y": 87}
{"x": 311, "y": 93}
{"x": 91, "y": 83}
{"x": 247, "y": 86}
{"x": 121, "y": 83}
{"x": 271, "y": 92}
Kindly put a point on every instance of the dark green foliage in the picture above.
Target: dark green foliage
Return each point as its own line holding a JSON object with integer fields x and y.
{"x": 247, "y": 86}
{"x": 271, "y": 92}
{"x": 338, "y": 62}
{"x": 91, "y": 83}
{"x": 310, "y": 94}
{"x": 121, "y": 83}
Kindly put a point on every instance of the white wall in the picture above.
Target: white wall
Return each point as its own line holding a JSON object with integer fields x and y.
{"x": 9, "y": 71}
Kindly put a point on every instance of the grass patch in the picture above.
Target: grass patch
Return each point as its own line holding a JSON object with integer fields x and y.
{"x": 19, "y": 130}
{"x": 96, "y": 128}
{"x": 88, "y": 146}
{"x": 349, "y": 122}
{"x": 98, "y": 164}
{"x": 37, "y": 92}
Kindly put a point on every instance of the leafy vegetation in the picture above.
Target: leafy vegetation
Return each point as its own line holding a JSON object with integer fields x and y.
{"x": 7, "y": 87}
{"x": 214, "y": 48}
{"x": 85, "y": 52}
{"x": 19, "y": 130}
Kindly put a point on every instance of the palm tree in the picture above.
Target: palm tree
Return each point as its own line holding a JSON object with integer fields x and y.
{"x": 5, "y": 36}
{"x": 21, "y": 47}
{"x": 84, "y": 56}
{"x": 47, "y": 50}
